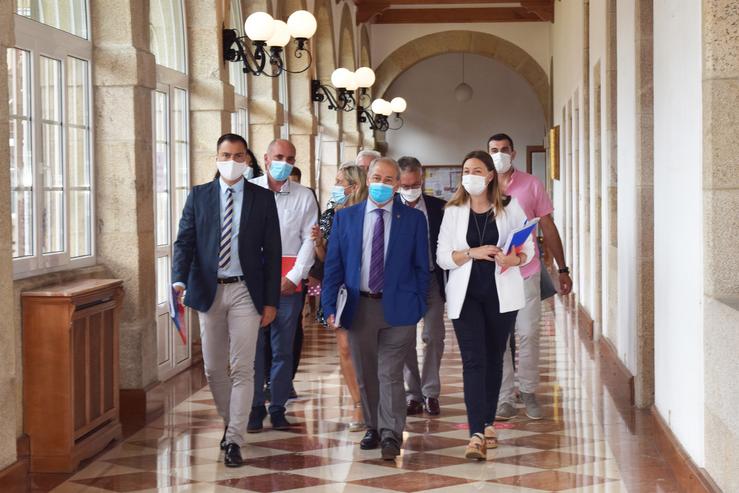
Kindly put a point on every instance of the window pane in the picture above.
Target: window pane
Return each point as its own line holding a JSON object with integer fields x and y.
{"x": 78, "y": 158}
{"x": 166, "y": 33}
{"x": 161, "y": 171}
{"x": 181, "y": 150}
{"x": 21, "y": 163}
{"x": 236, "y": 76}
{"x": 52, "y": 220}
{"x": 162, "y": 280}
{"x": 67, "y": 15}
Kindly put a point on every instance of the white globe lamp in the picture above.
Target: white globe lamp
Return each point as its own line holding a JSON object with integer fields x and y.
{"x": 259, "y": 26}
{"x": 398, "y": 105}
{"x": 365, "y": 77}
{"x": 302, "y": 24}
{"x": 280, "y": 36}
{"x": 341, "y": 78}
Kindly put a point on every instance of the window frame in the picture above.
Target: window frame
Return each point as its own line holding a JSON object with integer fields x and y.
{"x": 41, "y": 40}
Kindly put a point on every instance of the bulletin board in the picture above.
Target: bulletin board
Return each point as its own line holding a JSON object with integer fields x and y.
{"x": 441, "y": 180}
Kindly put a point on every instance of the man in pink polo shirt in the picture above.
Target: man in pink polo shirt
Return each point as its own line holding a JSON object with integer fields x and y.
{"x": 531, "y": 195}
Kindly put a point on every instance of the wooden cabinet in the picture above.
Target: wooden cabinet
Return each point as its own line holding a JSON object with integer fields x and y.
{"x": 70, "y": 371}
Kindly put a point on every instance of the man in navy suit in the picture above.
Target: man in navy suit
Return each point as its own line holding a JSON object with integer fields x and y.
{"x": 423, "y": 387}
{"x": 232, "y": 279}
{"x": 379, "y": 250}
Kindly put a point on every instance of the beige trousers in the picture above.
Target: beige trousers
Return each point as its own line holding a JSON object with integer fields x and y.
{"x": 229, "y": 331}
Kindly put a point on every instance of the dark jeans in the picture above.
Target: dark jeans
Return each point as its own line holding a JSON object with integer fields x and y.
{"x": 482, "y": 333}
{"x": 297, "y": 343}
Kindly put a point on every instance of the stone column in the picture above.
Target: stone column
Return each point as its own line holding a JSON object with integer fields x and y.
{"x": 211, "y": 95}
{"x": 123, "y": 78}
{"x": 303, "y": 123}
{"x": 8, "y": 396}
{"x": 329, "y": 152}
{"x": 644, "y": 378}
{"x": 720, "y": 212}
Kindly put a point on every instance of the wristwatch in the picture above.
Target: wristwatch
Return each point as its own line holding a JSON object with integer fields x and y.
{"x": 564, "y": 270}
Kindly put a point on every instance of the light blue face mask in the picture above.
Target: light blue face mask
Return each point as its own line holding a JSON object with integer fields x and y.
{"x": 249, "y": 173}
{"x": 280, "y": 170}
{"x": 338, "y": 195}
{"x": 380, "y": 193}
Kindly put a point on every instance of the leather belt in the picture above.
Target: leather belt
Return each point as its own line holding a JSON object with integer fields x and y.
{"x": 230, "y": 280}
{"x": 374, "y": 296}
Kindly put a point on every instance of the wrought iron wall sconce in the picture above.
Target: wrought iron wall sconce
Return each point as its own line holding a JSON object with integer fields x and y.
{"x": 380, "y": 110}
{"x": 265, "y": 42}
{"x": 340, "y": 97}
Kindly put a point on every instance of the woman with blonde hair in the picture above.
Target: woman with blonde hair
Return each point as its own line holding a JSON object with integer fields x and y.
{"x": 350, "y": 189}
{"x": 482, "y": 302}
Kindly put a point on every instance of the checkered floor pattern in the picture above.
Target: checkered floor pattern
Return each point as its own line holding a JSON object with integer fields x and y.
{"x": 565, "y": 452}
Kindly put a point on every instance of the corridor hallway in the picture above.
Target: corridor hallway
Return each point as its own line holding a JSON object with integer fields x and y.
{"x": 592, "y": 439}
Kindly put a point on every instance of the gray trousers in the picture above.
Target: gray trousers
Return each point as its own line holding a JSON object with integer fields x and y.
{"x": 527, "y": 349}
{"x": 378, "y": 353}
{"x": 427, "y": 383}
{"x": 229, "y": 331}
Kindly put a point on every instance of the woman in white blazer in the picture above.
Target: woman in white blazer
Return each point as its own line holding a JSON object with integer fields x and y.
{"x": 481, "y": 302}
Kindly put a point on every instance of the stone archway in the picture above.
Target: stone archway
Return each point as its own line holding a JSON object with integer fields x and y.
{"x": 466, "y": 42}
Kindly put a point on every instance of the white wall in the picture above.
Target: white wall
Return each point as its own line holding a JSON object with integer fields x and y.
{"x": 678, "y": 213}
{"x": 440, "y": 130}
{"x": 625, "y": 340}
{"x": 533, "y": 37}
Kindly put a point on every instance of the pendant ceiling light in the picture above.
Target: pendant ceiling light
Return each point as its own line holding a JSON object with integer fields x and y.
{"x": 463, "y": 92}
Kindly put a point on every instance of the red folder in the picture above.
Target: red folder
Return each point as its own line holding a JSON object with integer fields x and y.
{"x": 287, "y": 265}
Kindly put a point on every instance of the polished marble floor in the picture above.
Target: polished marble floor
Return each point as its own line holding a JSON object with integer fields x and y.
{"x": 589, "y": 441}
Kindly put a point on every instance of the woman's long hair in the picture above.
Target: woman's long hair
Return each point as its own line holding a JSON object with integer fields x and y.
{"x": 357, "y": 177}
{"x": 495, "y": 195}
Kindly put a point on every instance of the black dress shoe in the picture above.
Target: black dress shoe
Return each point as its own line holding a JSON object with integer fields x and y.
{"x": 390, "y": 448}
{"x": 256, "y": 417}
{"x": 279, "y": 422}
{"x": 370, "y": 441}
{"x": 233, "y": 456}
{"x": 223, "y": 440}
{"x": 431, "y": 406}
{"x": 414, "y": 407}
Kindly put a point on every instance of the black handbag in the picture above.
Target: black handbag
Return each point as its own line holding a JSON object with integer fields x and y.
{"x": 545, "y": 283}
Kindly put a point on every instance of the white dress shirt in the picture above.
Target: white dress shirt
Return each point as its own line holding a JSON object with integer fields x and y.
{"x": 370, "y": 218}
{"x": 234, "y": 268}
{"x": 298, "y": 212}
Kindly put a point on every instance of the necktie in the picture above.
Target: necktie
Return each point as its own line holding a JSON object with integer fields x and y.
{"x": 377, "y": 262}
{"x": 224, "y": 257}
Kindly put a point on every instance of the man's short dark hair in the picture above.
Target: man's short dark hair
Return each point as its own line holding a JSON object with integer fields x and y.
{"x": 501, "y": 137}
{"x": 409, "y": 163}
{"x": 233, "y": 138}
{"x": 296, "y": 172}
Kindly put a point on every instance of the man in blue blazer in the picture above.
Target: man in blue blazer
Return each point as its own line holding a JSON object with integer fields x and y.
{"x": 379, "y": 251}
{"x": 228, "y": 261}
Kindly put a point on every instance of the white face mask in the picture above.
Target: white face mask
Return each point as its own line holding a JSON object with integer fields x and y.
{"x": 410, "y": 194}
{"x": 502, "y": 161}
{"x": 474, "y": 184}
{"x": 231, "y": 170}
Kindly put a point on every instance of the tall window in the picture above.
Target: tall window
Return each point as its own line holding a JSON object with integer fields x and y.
{"x": 50, "y": 139}
{"x": 237, "y": 78}
{"x": 171, "y": 167}
{"x": 67, "y": 15}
